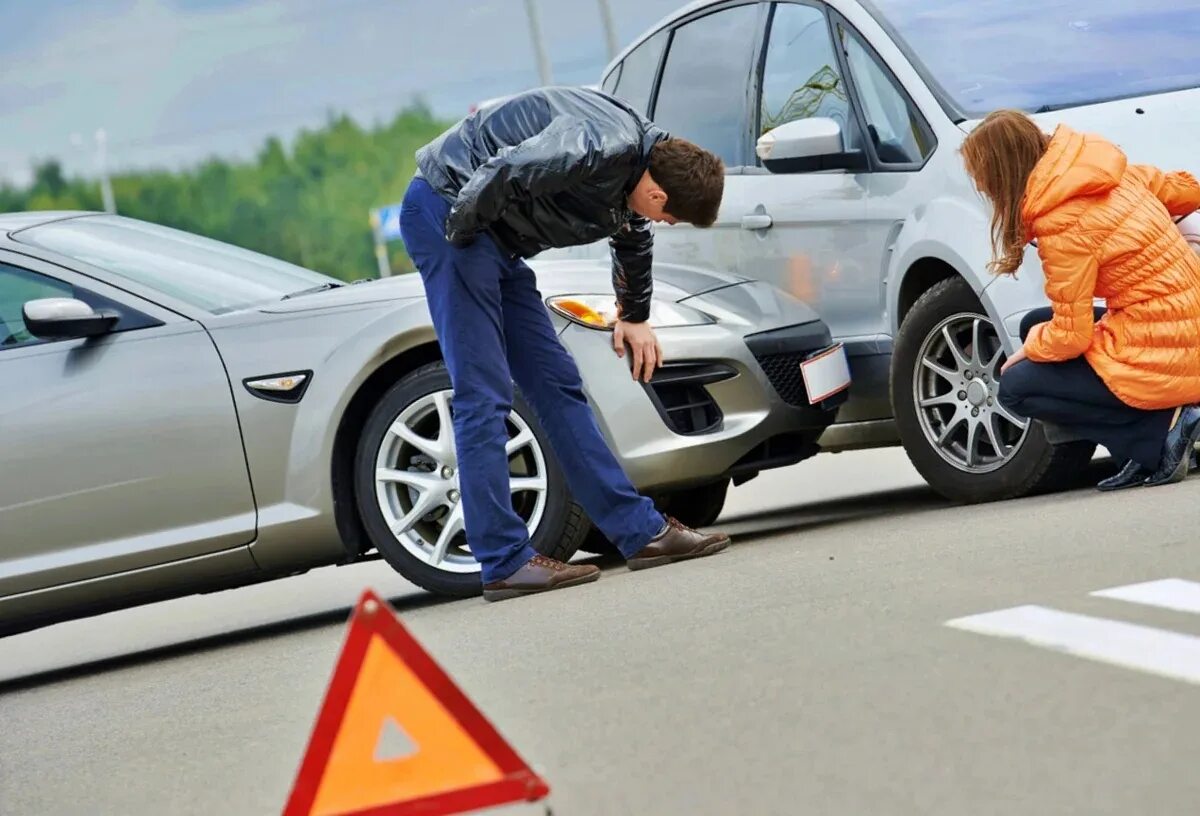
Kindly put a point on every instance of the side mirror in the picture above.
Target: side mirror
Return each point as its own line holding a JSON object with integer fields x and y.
{"x": 807, "y": 145}
{"x": 65, "y": 319}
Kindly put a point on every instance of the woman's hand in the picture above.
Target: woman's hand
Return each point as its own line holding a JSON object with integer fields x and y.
{"x": 647, "y": 353}
{"x": 1012, "y": 361}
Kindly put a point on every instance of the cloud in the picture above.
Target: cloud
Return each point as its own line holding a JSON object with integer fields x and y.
{"x": 175, "y": 80}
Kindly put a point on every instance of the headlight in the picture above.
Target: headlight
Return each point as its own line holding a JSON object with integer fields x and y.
{"x": 599, "y": 312}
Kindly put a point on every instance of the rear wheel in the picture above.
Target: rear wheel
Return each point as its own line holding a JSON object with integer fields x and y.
{"x": 945, "y": 386}
{"x": 406, "y": 485}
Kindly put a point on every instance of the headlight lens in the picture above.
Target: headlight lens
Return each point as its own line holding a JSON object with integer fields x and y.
{"x": 600, "y": 312}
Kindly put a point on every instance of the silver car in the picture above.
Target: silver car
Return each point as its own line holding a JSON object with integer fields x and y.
{"x": 840, "y": 123}
{"x": 179, "y": 415}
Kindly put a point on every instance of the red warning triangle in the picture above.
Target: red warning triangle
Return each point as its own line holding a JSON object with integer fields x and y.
{"x": 396, "y": 737}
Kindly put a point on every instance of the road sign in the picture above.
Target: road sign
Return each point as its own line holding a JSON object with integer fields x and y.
{"x": 395, "y": 736}
{"x": 389, "y": 222}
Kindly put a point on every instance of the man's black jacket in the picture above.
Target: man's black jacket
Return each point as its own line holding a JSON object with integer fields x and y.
{"x": 547, "y": 168}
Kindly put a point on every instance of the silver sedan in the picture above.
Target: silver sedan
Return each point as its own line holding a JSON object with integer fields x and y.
{"x": 179, "y": 415}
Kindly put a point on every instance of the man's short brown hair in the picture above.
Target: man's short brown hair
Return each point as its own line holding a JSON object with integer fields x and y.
{"x": 692, "y": 178}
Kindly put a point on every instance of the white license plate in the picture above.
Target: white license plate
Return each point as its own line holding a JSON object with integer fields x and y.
{"x": 826, "y": 373}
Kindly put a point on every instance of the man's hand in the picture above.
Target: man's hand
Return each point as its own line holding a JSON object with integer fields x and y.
{"x": 647, "y": 353}
{"x": 1012, "y": 361}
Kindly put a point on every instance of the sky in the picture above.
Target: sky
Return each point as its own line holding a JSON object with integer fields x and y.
{"x": 172, "y": 82}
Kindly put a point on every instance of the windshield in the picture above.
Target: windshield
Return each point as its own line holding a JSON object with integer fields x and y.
{"x": 1048, "y": 54}
{"x": 200, "y": 272}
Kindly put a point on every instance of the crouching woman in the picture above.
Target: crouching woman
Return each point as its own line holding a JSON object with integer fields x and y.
{"x": 1126, "y": 377}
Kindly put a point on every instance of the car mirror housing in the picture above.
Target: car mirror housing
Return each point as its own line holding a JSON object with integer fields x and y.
{"x": 65, "y": 319}
{"x": 807, "y": 145}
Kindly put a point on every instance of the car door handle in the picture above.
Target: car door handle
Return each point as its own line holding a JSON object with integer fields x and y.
{"x": 756, "y": 221}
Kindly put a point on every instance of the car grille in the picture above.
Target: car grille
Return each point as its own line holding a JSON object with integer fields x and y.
{"x": 783, "y": 370}
{"x": 678, "y": 392}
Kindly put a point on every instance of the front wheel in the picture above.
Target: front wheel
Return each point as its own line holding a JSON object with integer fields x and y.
{"x": 407, "y": 488}
{"x": 945, "y": 389}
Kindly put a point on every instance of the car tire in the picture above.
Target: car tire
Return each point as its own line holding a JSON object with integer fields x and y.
{"x": 421, "y": 400}
{"x": 695, "y": 507}
{"x": 943, "y": 387}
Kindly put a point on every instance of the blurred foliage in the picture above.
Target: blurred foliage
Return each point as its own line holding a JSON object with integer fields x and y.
{"x": 308, "y": 205}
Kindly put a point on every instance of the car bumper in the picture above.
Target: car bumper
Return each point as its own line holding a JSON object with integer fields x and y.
{"x": 729, "y": 402}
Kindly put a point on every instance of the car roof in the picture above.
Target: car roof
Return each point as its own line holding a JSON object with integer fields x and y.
{"x": 11, "y": 222}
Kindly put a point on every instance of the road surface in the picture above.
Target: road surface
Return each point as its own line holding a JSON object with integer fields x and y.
{"x": 863, "y": 648}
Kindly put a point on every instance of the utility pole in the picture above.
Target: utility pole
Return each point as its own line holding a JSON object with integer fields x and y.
{"x": 610, "y": 32}
{"x": 539, "y": 50}
{"x": 106, "y": 191}
{"x": 100, "y": 158}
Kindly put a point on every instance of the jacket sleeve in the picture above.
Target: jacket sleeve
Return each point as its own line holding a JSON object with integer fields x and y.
{"x": 562, "y": 154}
{"x": 1178, "y": 191}
{"x": 1070, "y": 268}
{"x": 632, "y": 250}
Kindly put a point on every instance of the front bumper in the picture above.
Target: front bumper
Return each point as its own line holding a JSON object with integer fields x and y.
{"x": 729, "y": 402}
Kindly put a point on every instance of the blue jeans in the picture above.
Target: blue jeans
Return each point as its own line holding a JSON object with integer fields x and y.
{"x": 493, "y": 329}
{"x": 1071, "y": 394}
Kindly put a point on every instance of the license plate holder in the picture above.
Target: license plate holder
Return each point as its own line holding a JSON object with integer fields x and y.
{"x": 826, "y": 373}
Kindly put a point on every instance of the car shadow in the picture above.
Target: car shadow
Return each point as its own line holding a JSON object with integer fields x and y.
{"x": 301, "y": 623}
{"x": 744, "y": 528}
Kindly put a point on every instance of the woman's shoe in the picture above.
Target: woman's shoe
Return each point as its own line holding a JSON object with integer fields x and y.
{"x": 1177, "y": 450}
{"x": 1132, "y": 475}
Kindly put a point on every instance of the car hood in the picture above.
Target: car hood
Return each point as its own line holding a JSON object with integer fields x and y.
{"x": 575, "y": 277}
{"x": 1161, "y": 129}
{"x": 674, "y": 282}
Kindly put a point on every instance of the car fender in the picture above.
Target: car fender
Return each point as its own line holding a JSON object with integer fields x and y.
{"x": 289, "y": 447}
{"x": 955, "y": 231}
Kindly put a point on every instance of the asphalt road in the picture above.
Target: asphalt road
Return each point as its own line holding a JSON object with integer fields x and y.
{"x": 808, "y": 670}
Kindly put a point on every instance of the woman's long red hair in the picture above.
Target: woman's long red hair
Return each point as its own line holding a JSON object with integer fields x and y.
{"x": 1000, "y": 154}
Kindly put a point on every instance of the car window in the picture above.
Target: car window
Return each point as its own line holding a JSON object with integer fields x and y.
{"x": 702, "y": 95}
{"x": 635, "y": 75}
{"x": 609, "y": 85}
{"x": 894, "y": 125}
{"x": 801, "y": 78}
{"x": 198, "y": 271}
{"x": 18, "y": 287}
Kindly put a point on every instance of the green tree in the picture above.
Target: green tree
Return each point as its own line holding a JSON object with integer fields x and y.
{"x": 308, "y": 204}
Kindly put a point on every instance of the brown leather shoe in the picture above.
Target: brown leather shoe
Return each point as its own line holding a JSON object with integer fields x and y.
{"x": 677, "y": 543}
{"x": 540, "y": 574}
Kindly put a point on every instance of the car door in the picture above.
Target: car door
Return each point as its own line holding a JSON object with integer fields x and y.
{"x": 116, "y": 452}
{"x": 701, "y": 95}
{"x": 899, "y": 140}
{"x": 807, "y": 232}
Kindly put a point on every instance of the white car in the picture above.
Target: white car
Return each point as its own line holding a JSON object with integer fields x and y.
{"x": 862, "y": 206}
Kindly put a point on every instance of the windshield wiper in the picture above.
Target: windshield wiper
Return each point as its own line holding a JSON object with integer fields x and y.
{"x": 324, "y": 287}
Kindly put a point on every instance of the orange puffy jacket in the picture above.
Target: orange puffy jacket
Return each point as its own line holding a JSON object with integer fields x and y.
{"x": 1104, "y": 229}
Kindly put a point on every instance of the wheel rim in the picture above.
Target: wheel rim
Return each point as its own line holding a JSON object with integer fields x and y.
{"x": 956, "y": 391}
{"x": 417, "y": 487}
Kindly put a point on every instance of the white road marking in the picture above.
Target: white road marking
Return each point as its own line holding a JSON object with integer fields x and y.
{"x": 1129, "y": 645}
{"x": 1169, "y": 593}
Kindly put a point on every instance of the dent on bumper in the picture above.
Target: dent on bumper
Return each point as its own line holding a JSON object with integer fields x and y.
{"x": 755, "y": 420}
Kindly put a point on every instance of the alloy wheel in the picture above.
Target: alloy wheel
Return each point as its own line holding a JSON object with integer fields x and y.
{"x": 956, "y": 390}
{"x": 417, "y": 481}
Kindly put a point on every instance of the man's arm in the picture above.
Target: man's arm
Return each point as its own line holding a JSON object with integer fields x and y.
{"x": 632, "y": 251}
{"x": 566, "y": 152}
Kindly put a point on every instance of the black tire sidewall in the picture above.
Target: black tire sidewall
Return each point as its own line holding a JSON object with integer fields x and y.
{"x": 555, "y": 536}
{"x": 697, "y": 506}
{"x": 1020, "y": 475}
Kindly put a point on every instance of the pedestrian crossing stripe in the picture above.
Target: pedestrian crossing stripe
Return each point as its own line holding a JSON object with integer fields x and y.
{"x": 1133, "y": 646}
{"x": 1169, "y": 593}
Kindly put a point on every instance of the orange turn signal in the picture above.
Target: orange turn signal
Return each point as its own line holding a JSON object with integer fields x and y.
{"x": 578, "y": 310}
